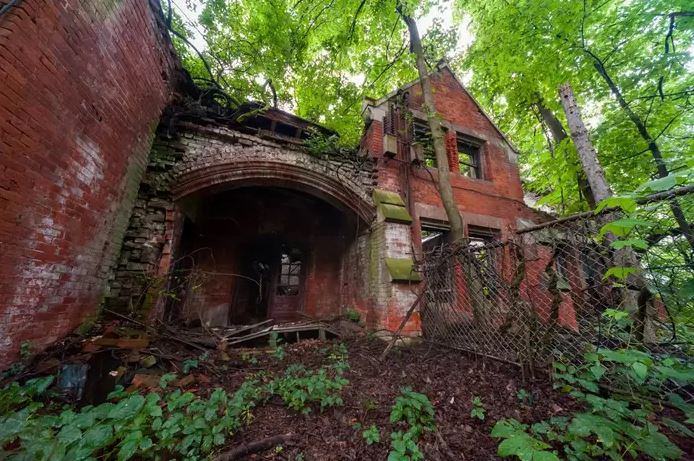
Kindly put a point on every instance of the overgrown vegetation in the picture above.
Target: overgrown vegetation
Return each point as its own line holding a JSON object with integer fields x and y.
{"x": 174, "y": 422}
{"x": 613, "y": 425}
{"x": 623, "y": 385}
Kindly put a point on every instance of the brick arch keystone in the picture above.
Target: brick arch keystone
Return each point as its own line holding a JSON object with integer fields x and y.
{"x": 245, "y": 173}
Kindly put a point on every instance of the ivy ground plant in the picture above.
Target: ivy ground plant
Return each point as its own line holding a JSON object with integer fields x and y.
{"x": 612, "y": 427}
{"x": 171, "y": 424}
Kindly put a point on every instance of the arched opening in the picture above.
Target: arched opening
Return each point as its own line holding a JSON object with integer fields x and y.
{"x": 256, "y": 253}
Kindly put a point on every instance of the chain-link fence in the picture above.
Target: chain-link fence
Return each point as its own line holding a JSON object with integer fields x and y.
{"x": 614, "y": 281}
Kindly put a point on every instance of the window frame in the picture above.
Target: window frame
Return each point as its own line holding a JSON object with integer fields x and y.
{"x": 442, "y": 293}
{"x": 475, "y": 165}
{"x": 426, "y": 139}
{"x": 288, "y": 282}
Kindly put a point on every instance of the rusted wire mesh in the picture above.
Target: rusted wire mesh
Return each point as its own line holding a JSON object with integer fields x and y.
{"x": 558, "y": 291}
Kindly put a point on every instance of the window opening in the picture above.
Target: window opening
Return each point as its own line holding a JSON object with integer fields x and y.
{"x": 478, "y": 239}
{"x": 290, "y": 272}
{"x": 421, "y": 134}
{"x": 434, "y": 240}
{"x": 469, "y": 158}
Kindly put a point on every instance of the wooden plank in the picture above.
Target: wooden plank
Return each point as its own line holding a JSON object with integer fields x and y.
{"x": 258, "y": 334}
{"x": 236, "y": 331}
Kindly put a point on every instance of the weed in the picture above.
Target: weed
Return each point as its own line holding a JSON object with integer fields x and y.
{"x": 24, "y": 357}
{"x": 353, "y": 315}
{"x": 299, "y": 387}
{"x": 275, "y": 343}
{"x": 180, "y": 424}
{"x": 129, "y": 425}
{"x": 371, "y": 435}
{"x": 189, "y": 364}
{"x": 524, "y": 396}
{"x": 417, "y": 412}
{"x": 478, "y": 409}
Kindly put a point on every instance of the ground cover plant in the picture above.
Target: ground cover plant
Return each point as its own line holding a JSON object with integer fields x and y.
{"x": 338, "y": 401}
{"x": 172, "y": 422}
{"x": 614, "y": 425}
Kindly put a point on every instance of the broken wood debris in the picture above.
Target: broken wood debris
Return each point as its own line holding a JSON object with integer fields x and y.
{"x": 224, "y": 337}
{"x": 215, "y": 337}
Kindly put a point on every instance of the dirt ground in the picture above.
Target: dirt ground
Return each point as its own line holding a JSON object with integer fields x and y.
{"x": 449, "y": 378}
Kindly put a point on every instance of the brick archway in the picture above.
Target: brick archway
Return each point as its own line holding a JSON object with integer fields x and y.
{"x": 245, "y": 173}
{"x": 222, "y": 159}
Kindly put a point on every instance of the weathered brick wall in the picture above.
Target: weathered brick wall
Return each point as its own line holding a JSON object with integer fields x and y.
{"x": 83, "y": 85}
{"x": 495, "y": 201}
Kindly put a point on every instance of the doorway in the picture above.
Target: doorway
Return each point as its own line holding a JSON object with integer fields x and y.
{"x": 264, "y": 253}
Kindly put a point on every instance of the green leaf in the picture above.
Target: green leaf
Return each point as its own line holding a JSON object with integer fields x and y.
{"x": 640, "y": 370}
{"x": 128, "y": 449}
{"x": 660, "y": 184}
{"x": 678, "y": 427}
{"x": 98, "y": 436}
{"x": 507, "y": 428}
{"x": 597, "y": 370}
{"x": 625, "y": 203}
{"x": 545, "y": 456}
{"x": 69, "y": 434}
{"x": 631, "y": 243}
{"x": 146, "y": 443}
{"x": 620, "y": 273}
{"x": 166, "y": 379}
{"x": 521, "y": 445}
{"x": 622, "y": 227}
{"x": 127, "y": 408}
{"x": 658, "y": 446}
{"x": 38, "y": 386}
{"x": 615, "y": 314}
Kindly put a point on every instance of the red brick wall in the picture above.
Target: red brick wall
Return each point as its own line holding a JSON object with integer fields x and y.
{"x": 83, "y": 85}
{"x": 498, "y": 196}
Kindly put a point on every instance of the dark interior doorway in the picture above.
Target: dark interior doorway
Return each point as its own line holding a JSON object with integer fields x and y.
{"x": 265, "y": 252}
{"x": 274, "y": 286}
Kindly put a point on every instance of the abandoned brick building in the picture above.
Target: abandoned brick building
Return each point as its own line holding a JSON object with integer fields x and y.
{"x": 110, "y": 188}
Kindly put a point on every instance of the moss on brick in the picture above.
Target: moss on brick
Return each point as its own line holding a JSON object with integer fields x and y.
{"x": 394, "y": 213}
{"x": 384, "y": 196}
{"x": 402, "y": 270}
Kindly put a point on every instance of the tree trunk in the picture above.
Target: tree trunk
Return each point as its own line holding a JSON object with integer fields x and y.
{"x": 684, "y": 226}
{"x": 558, "y": 135}
{"x": 444, "y": 180}
{"x": 555, "y": 126}
{"x": 586, "y": 153}
{"x": 636, "y": 295}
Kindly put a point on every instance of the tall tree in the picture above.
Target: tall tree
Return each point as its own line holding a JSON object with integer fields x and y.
{"x": 444, "y": 177}
{"x": 586, "y": 152}
{"x": 321, "y": 56}
{"x": 524, "y": 50}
